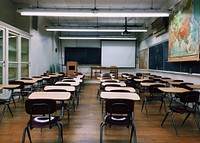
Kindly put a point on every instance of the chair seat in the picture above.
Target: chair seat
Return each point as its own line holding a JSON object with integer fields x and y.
{"x": 181, "y": 109}
{"x": 43, "y": 121}
{"x": 20, "y": 94}
{"x": 151, "y": 98}
{"x": 2, "y": 101}
{"x": 118, "y": 120}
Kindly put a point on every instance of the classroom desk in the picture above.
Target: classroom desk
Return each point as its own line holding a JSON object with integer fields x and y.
{"x": 120, "y": 95}
{"x": 70, "y": 89}
{"x": 107, "y": 80}
{"x": 67, "y": 88}
{"x": 147, "y": 84}
{"x": 113, "y": 83}
{"x": 172, "y": 90}
{"x": 166, "y": 80}
{"x": 71, "y": 83}
{"x": 175, "y": 83}
{"x": 9, "y": 86}
{"x": 59, "y": 96}
{"x": 104, "y": 68}
{"x": 76, "y": 79}
{"x": 110, "y": 88}
{"x": 50, "y": 95}
{"x": 28, "y": 81}
{"x": 141, "y": 79}
{"x": 194, "y": 87}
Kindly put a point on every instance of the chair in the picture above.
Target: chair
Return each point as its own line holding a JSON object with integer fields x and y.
{"x": 113, "y": 71}
{"x": 120, "y": 113}
{"x": 139, "y": 75}
{"x": 186, "y": 98}
{"x": 21, "y": 92}
{"x": 155, "y": 95}
{"x": 97, "y": 72}
{"x": 102, "y": 88}
{"x": 182, "y": 85}
{"x": 40, "y": 111}
{"x": 39, "y": 84}
{"x": 60, "y": 105}
{"x": 5, "y": 103}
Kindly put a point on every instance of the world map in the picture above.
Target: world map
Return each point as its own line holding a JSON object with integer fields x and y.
{"x": 183, "y": 30}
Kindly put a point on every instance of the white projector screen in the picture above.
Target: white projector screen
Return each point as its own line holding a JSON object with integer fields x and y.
{"x": 118, "y": 53}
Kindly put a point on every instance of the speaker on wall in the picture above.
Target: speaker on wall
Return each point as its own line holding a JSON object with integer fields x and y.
{"x": 35, "y": 22}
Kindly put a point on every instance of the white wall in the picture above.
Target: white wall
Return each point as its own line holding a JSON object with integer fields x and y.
{"x": 43, "y": 46}
{"x": 194, "y": 78}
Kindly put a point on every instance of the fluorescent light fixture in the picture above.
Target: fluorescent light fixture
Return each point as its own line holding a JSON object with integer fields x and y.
{"x": 92, "y": 13}
{"x": 94, "y": 29}
{"x": 97, "y": 38}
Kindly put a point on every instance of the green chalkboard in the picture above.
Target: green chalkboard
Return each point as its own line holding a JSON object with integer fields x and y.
{"x": 158, "y": 60}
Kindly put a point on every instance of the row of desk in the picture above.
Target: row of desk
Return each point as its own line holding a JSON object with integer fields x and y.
{"x": 35, "y": 94}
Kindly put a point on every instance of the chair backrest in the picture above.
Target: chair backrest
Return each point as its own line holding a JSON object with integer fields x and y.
{"x": 20, "y": 83}
{"x": 148, "y": 80}
{"x": 110, "y": 80}
{"x": 37, "y": 76}
{"x": 177, "y": 80}
{"x": 40, "y": 106}
{"x": 166, "y": 78}
{"x": 68, "y": 80}
{"x": 26, "y": 78}
{"x": 154, "y": 88}
{"x": 189, "y": 97}
{"x": 113, "y": 85}
{"x": 138, "y": 74}
{"x": 119, "y": 106}
{"x": 184, "y": 85}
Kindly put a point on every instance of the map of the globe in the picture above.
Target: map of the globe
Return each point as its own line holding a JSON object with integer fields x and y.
{"x": 183, "y": 30}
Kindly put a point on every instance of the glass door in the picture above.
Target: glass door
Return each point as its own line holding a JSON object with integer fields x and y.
{"x": 12, "y": 56}
{"x": 24, "y": 57}
{"x": 2, "y": 32}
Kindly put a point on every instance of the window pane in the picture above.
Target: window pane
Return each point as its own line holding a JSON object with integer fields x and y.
{"x": 24, "y": 70}
{"x": 25, "y": 50}
{"x": 12, "y": 47}
{"x": 13, "y": 71}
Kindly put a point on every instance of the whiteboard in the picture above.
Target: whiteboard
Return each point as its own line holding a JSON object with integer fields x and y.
{"x": 118, "y": 53}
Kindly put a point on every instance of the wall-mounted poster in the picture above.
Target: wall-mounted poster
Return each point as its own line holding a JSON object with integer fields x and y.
{"x": 143, "y": 59}
{"x": 184, "y": 32}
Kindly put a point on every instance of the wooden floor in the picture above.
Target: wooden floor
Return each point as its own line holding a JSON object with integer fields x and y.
{"x": 85, "y": 122}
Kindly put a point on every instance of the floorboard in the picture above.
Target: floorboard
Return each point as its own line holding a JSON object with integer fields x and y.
{"x": 85, "y": 125}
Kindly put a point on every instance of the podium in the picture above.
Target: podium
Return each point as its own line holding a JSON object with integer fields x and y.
{"x": 71, "y": 68}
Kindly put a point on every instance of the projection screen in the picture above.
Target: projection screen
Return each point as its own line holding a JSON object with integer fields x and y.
{"x": 118, "y": 53}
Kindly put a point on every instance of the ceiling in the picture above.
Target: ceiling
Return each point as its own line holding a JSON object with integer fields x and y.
{"x": 100, "y": 4}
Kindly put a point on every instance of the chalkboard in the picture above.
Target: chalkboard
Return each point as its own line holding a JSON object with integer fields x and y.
{"x": 83, "y": 55}
{"x": 158, "y": 60}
